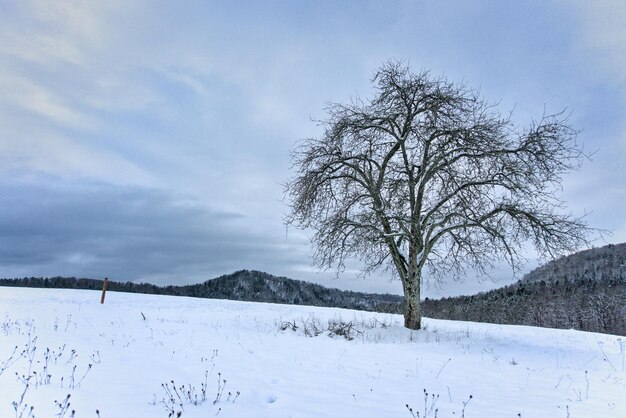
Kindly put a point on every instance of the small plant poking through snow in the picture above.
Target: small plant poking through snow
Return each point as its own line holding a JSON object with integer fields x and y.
{"x": 342, "y": 329}
{"x": 64, "y": 407}
{"x": 39, "y": 368}
{"x": 312, "y": 327}
{"x": 177, "y": 397}
{"x": 336, "y": 327}
{"x": 430, "y": 407}
{"x": 23, "y": 411}
{"x": 13, "y": 358}
{"x": 288, "y": 325}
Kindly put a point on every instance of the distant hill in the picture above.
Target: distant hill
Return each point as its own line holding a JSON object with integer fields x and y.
{"x": 245, "y": 285}
{"x": 585, "y": 291}
{"x": 264, "y": 287}
{"x": 597, "y": 264}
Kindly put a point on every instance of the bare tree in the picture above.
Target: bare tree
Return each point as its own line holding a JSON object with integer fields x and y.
{"x": 428, "y": 177}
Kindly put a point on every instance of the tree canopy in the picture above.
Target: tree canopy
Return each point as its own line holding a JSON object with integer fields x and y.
{"x": 428, "y": 176}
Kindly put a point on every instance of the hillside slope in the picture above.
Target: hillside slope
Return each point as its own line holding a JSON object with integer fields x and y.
{"x": 603, "y": 264}
{"x": 258, "y": 286}
{"x": 246, "y": 285}
{"x": 584, "y": 291}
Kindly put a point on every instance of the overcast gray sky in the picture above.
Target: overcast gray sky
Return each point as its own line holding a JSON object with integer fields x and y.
{"x": 148, "y": 141}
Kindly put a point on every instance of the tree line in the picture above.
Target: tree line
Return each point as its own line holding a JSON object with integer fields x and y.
{"x": 244, "y": 285}
{"x": 585, "y": 291}
{"x": 582, "y": 302}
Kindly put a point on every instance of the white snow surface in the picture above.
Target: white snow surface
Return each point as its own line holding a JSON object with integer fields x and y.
{"x": 138, "y": 343}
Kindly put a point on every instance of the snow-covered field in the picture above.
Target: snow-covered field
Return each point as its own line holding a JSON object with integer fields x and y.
{"x": 131, "y": 357}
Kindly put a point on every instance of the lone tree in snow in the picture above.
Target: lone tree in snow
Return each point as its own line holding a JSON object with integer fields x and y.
{"x": 427, "y": 178}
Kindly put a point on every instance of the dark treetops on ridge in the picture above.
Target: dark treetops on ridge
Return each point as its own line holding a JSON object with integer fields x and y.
{"x": 585, "y": 291}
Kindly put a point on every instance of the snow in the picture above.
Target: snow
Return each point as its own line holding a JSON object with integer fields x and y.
{"x": 507, "y": 370}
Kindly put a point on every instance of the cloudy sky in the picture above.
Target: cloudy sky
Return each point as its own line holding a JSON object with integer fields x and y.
{"x": 149, "y": 141}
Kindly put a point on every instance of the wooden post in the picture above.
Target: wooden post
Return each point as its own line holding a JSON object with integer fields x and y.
{"x": 104, "y": 289}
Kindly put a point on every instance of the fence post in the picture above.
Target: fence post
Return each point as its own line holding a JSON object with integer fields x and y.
{"x": 104, "y": 289}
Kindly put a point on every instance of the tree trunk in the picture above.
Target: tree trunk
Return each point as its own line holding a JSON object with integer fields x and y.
{"x": 412, "y": 308}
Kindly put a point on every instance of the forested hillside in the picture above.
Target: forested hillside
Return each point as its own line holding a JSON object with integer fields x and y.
{"x": 585, "y": 291}
{"x": 598, "y": 264}
{"x": 244, "y": 285}
{"x": 582, "y": 304}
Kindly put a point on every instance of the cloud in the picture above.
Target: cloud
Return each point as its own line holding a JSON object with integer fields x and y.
{"x": 602, "y": 34}
{"x": 599, "y": 41}
{"x": 30, "y": 97}
{"x": 95, "y": 229}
